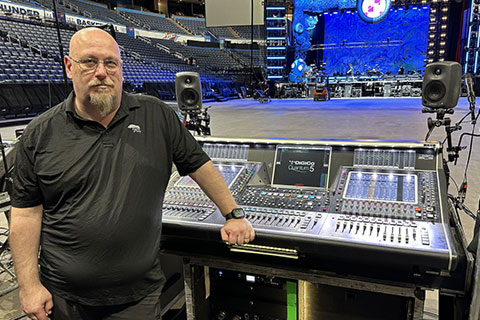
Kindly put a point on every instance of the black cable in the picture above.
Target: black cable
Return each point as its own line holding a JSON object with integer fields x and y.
{"x": 429, "y": 133}
{"x": 457, "y": 204}
{"x": 466, "y": 134}
{"x": 453, "y": 201}
{"x": 461, "y": 120}
{"x": 456, "y": 185}
{"x": 431, "y": 314}
{"x": 463, "y": 187}
{"x": 467, "y": 211}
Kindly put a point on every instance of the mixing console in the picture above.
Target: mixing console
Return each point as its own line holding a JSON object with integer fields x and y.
{"x": 185, "y": 199}
{"x": 359, "y": 197}
{"x": 384, "y": 158}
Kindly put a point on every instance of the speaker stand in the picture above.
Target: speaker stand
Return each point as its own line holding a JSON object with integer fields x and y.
{"x": 198, "y": 121}
{"x": 443, "y": 121}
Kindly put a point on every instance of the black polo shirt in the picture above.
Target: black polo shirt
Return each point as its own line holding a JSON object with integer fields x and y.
{"x": 102, "y": 191}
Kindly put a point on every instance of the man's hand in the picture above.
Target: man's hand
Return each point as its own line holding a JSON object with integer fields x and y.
{"x": 36, "y": 302}
{"x": 237, "y": 231}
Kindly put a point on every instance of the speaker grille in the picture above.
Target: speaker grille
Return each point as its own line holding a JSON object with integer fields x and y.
{"x": 435, "y": 91}
{"x": 188, "y": 89}
{"x": 189, "y": 97}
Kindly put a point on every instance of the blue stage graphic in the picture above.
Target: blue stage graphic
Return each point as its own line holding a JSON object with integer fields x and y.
{"x": 398, "y": 41}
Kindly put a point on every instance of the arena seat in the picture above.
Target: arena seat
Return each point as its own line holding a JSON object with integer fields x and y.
{"x": 155, "y": 21}
{"x": 245, "y": 32}
{"x": 38, "y": 62}
{"x": 198, "y": 26}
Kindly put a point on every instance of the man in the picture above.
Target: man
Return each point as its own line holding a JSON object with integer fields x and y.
{"x": 89, "y": 183}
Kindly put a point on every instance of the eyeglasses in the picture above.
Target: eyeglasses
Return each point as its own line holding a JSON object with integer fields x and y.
{"x": 91, "y": 64}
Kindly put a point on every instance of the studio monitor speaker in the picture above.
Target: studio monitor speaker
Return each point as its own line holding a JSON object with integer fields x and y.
{"x": 441, "y": 84}
{"x": 189, "y": 91}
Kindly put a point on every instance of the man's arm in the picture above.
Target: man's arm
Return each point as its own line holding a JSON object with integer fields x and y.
{"x": 235, "y": 231}
{"x": 24, "y": 239}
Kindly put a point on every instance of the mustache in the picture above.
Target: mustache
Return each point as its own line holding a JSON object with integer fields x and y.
{"x": 97, "y": 82}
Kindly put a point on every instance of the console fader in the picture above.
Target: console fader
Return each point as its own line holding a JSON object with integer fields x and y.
{"x": 382, "y": 201}
{"x": 186, "y": 201}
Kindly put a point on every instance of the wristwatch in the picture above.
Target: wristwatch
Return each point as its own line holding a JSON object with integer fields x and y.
{"x": 236, "y": 213}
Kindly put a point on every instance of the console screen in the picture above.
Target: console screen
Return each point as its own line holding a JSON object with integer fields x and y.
{"x": 229, "y": 173}
{"x": 381, "y": 187}
{"x": 301, "y": 166}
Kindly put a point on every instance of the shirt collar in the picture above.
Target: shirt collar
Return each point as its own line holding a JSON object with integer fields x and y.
{"x": 128, "y": 102}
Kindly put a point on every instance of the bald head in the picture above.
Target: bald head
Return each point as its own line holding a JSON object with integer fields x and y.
{"x": 92, "y": 37}
{"x": 95, "y": 67}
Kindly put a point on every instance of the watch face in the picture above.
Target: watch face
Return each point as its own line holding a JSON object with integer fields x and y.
{"x": 238, "y": 213}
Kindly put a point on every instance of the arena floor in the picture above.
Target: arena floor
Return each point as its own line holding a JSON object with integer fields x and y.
{"x": 376, "y": 118}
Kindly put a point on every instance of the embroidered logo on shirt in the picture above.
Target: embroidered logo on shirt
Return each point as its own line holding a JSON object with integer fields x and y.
{"x": 135, "y": 128}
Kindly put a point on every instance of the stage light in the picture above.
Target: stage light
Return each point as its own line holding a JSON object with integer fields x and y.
{"x": 445, "y": 9}
{"x": 443, "y": 26}
{"x": 442, "y": 51}
{"x": 443, "y": 35}
{"x": 431, "y": 36}
{"x": 444, "y": 18}
{"x": 432, "y": 27}
{"x": 430, "y": 52}
{"x": 442, "y": 43}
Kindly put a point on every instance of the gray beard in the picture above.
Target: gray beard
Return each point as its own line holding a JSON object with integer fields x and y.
{"x": 104, "y": 102}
